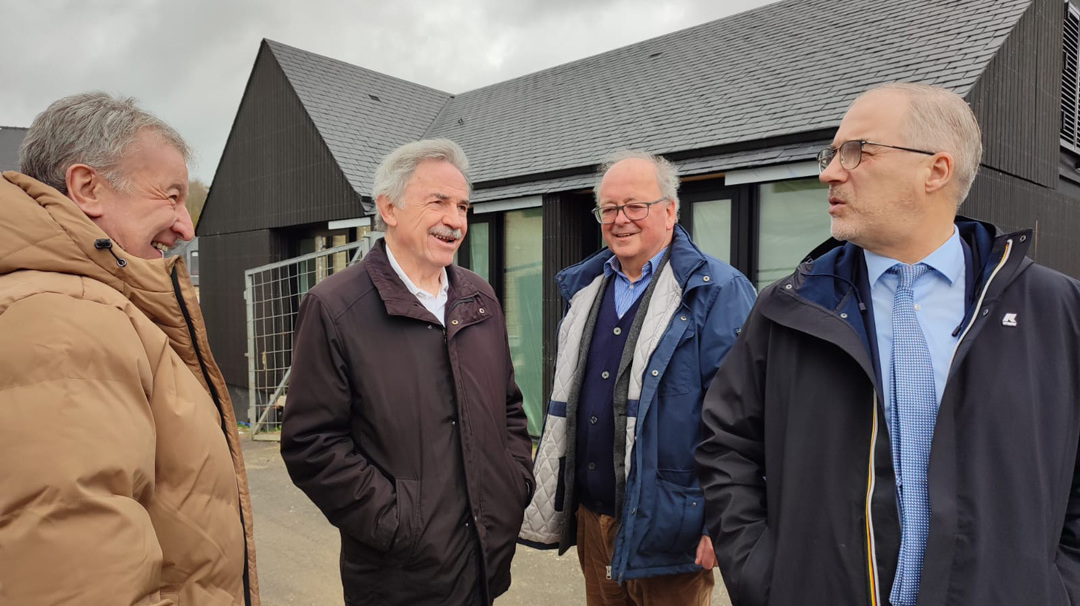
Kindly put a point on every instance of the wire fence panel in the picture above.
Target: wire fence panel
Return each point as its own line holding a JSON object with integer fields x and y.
{"x": 272, "y": 294}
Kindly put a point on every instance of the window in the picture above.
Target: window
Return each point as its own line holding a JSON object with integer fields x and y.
{"x": 193, "y": 263}
{"x": 711, "y": 227}
{"x": 1070, "y": 79}
{"x": 523, "y": 296}
{"x": 794, "y": 219}
{"x": 480, "y": 249}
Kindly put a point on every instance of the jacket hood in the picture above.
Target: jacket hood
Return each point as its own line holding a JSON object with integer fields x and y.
{"x": 684, "y": 259}
{"x": 42, "y": 229}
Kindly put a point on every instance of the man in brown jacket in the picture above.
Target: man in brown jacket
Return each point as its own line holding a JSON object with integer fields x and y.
{"x": 121, "y": 479}
{"x": 404, "y": 423}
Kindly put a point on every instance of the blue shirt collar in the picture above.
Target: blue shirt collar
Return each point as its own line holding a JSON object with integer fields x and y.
{"x": 947, "y": 260}
{"x": 613, "y": 266}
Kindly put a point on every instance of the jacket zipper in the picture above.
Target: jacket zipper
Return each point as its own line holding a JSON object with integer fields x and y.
{"x": 978, "y": 305}
{"x": 480, "y": 555}
{"x": 875, "y": 590}
{"x": 871, "y": 544}
{"x": 217, "y": 402}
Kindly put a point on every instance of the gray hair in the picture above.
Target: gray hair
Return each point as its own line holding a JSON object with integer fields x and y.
{"x": 89, "y": 128}
{"x": 667, "y": 176}
{"x": 397, "y": 169}
{"x": 940, "y": 120}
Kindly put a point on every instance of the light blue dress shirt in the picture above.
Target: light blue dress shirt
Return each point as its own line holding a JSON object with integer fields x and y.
{"x": 626, "y": 291}
{"x": 939, "y": 307}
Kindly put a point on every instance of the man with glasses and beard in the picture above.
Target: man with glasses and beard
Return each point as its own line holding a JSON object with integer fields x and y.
{"x": 647, "y": 323}
{"x": 898, "y": 423}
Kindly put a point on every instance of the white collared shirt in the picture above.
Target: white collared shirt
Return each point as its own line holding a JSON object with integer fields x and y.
{"x": 436, "y": 303}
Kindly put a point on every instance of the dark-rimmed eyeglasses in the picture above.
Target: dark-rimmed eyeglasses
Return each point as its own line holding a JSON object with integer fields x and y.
{"x": 851, "y": 153}
{"x": 635, "y": 211}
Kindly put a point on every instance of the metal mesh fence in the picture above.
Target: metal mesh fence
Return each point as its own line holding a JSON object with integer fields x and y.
{"x": 272, "y": 294}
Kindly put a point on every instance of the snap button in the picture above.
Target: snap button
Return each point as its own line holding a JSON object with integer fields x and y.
{"x": 1023, "y": 238}
{"x": 706, "y": 278}
{"x": 454, "y": 322}
{"x": 481, "y": 310}
{"x": 633, "y": 512}
{"x": 656, "y": 373}
{"x": 592, "y": 466}
{"x": 693, "y": 503}
{"x": 683, "y": 318}
{"x": 985, "y": 311}
{"x": 617, "y": 330}
{"x": 787, "y": 287}
{"x": 593, "y": 419}
{"x": 843, "y": 315}
{"x": 605, "y": 374}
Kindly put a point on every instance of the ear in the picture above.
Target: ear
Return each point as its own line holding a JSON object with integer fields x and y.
{"x": 671, "y": 216}
{"x": 386, "y": 210}
{"x": 940, "y": 172}
{"x": 84, "y": 186}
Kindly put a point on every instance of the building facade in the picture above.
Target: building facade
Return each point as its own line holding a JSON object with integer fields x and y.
{"x": 741, "y": 105}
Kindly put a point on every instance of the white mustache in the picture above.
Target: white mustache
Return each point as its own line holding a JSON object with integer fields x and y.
{"x": 446, "y": 232}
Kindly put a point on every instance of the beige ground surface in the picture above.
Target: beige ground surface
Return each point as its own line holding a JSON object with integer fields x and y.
{"x": 297, "y": 549}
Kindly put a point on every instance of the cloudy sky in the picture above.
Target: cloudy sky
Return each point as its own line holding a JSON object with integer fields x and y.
{"x": 188, "y": 60}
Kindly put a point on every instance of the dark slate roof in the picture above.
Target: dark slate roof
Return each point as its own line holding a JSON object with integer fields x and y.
{"x": 785, "y": 68}
{"x": 778, "y": 74}
{"x": 358, "y": 129}
{"x": 10, "y": 139}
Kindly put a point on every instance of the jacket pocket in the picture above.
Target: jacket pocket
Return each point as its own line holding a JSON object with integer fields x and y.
{"x": 678, "y": 514}
{"x": 517, "y": 477}
{"x": 410, "y": 519}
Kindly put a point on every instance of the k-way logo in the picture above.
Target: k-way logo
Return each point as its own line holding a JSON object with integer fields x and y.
{"x": 1008, "y": 320}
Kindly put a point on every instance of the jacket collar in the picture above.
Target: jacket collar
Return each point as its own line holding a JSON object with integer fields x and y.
{"x": 684, "y": 260}
{"x": 396, "y": 296}
{"x": 828, "y": 296}
{"x": 844, "y": 263}
{"x": 41, "y": 229}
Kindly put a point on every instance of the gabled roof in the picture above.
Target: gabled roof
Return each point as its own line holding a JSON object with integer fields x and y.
{"x": 780, "y": 74}
{"x": 362, "y": 115}
{"x": 785, "y": 68}
{"x": 10, "y": 139}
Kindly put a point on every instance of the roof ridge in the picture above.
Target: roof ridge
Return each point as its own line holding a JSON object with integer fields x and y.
{"x": 273, "y": 43}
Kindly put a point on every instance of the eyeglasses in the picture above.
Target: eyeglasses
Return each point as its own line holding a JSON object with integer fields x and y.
{"x": 635, "y": 211}
{"x": 851, "y": 153}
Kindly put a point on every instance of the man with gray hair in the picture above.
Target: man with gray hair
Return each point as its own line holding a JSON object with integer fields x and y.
{"x": 648, "y": 321}
{"x": 404, "y": 424}
{"x": 120, "y": 463}
{"x": 899, "y": 421}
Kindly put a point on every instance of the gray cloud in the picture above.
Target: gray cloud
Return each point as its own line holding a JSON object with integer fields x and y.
{"x": 188, "y": 62}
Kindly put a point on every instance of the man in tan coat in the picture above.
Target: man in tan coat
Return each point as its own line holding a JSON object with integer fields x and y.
{"x": 121, "y": 478}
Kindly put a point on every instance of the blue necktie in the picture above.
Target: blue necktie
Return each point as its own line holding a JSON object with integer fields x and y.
{"x": 914, "y": 412}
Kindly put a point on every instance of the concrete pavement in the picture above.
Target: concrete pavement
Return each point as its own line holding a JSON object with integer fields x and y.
{"x": 297, "y": 549}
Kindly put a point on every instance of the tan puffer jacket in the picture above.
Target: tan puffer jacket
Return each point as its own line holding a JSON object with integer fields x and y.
{"x": 121, "y": 475}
